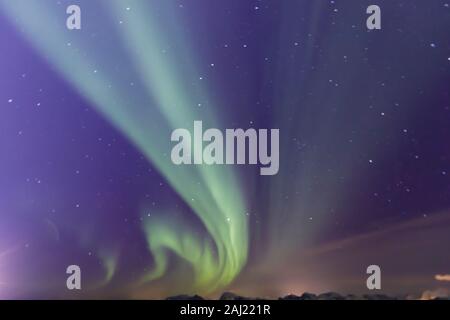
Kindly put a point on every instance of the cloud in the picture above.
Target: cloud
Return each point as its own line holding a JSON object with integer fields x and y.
{"x": 442, "y": 277}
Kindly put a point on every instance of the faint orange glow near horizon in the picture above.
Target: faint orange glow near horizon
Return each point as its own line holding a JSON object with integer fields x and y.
{"x": 442, "y": 277}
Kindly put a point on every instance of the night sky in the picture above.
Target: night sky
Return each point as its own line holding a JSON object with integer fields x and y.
{"x": 86, "y": 176}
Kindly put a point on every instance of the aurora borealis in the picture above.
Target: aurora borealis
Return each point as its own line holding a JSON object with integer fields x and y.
{"x": 86, "y": 118}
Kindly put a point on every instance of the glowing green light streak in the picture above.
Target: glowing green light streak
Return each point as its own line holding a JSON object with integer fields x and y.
{"x": 216, "y": 197}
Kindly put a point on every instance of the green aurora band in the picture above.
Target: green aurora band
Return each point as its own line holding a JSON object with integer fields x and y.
{"x": 166, "y": 97}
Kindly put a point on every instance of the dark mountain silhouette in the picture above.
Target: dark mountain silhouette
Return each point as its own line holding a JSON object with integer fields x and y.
{"x": 230, "y": 296}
